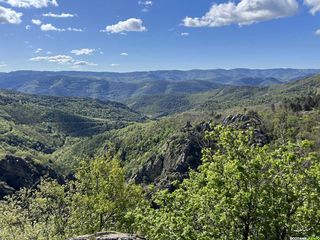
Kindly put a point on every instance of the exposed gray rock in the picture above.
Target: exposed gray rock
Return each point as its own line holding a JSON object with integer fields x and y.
{"x": 109, "y": 236}
{"x": 176, "y": 157}
{"x": 182, "y": 151}
{"x": 17, "y": 173}
{"x": 249, "y": 121}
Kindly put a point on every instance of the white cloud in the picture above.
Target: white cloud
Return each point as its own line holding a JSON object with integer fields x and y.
{"x": 130, "y": 25}
{"x": 2, "y": 65}
{"x": 61, "y": 15}
{"x": 36, "y": 22}
{"x": 38, "y": 50}
{"x": 31, "y": 3}
{"x": 184, "y": 34}
{"x": 62, "y": 59}
{"x": 314, "y": 5}
{"x": 84, "y": 63}
{"x": 84, "y": 51}
{"x": 244, "y": 13}
{"x": 114, "y": 65}
{"x": 317, "y": 32}
{"x": 50, "y": 27}
{"x": 124, "y": 54}
{"x": 146, "y": 5}
{"x": 49, "y": 52}
{"x": 70, "y": 29}
{"x": 28, "y": 27}
{"x": 8, "y": 15}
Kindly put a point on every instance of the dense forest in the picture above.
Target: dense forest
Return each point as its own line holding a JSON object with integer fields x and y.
{"x": 227, "y": 163}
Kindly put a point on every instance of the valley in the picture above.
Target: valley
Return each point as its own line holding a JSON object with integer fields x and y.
{"x": 158, "y": 139}
{"x": 159, "y": 120}
{"x": 58, "y": 131}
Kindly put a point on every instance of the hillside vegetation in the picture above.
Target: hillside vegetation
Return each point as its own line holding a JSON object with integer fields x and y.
{"x": 232, "y": 163}
{"x": 37, "y": 126}
{"x": 222, "y": 98}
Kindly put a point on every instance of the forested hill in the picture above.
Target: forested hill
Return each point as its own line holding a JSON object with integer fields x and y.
{"x": 222, "y": 98}
{"x": 92, "y": 108}
{"x": 122, "y": 86}
{"x": 37, "y": 126}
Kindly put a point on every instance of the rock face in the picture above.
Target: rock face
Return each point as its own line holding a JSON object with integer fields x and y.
{"x": 17, "y": 173}
{"x": 177, "y": 156}
{"x": 5, "y": 189}
{"x": 109, "y": 236}
{"x": 182, "y": 151}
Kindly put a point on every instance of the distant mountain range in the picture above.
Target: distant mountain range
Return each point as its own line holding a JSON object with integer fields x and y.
{"x": 222, "y": 98}
{"x": 124, "y": 86}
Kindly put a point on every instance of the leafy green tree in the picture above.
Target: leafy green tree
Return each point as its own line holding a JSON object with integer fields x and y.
{"x": 98, "y": 199}
{"x": 35, "y": 214}
{"x": 101, "y": 197}
{"x": 241, "y": 191}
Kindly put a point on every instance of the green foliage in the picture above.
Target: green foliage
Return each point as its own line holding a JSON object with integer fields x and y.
{"x": 41, "y": 214}
{"x": 135, "y": 144}
{"x": 241, "y": 192}
{"x": 287, "y": 126}
{"x": 102, "y": 198}
{"x": 36, "y": 126}
{"x": 99, "y": 199}
{"x": 307, "y": 102}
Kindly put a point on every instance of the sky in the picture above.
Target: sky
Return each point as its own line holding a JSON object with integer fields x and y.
{"x": 142, "y": 35}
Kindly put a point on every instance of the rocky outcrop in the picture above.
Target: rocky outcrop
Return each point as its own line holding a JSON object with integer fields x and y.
{"x": 182, "y": 151}
{"x": 109, "y": 236}
{"x": 249, "y": 121}
{"x": 17, "y": 173}
{"x": 177, "y": 156}
{"x": 5, "y": 189}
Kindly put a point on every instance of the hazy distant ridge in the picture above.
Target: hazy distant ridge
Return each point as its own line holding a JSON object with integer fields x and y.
{"x": 121, "y": 86}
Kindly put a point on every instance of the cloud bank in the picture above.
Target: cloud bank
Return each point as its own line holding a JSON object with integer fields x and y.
{"x": 246, "y": 12}
{"x": 62, "y": 59}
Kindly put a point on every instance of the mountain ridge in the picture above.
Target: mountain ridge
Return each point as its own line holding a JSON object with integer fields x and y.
{"x": 123, "y": 86}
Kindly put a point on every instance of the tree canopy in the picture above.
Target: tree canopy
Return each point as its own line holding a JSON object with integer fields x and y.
{"x": 241, "y": 191}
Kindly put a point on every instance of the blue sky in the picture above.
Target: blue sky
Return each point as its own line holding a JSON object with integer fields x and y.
{"x": 134, "y": 35}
